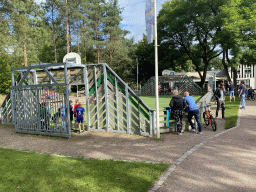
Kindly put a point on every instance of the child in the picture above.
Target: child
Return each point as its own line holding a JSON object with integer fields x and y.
{"x": 63, "y": 116}
{"x": 75, "y": 107}
{"x": 80, "y": 117}
{"x": 45, "y": 116}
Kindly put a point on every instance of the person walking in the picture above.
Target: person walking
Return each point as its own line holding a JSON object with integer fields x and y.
{"x": 192, "y": 111}
{"x": 231, "y": 91}
{"x": 177, "y": 103}
{"x": 242, "y": 94}
{"x": 220, "y": 96}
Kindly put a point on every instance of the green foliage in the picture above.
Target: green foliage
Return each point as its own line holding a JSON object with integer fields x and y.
{"x": 44, "y": 33}
{"x": 193, "y": 28}
{"x": 5, "y": 75}
{"x": 146, "y": 60}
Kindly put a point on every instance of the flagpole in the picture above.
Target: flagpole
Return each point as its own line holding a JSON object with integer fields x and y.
{"x": 137, "y": 75}
{"x": 156, "y": 75}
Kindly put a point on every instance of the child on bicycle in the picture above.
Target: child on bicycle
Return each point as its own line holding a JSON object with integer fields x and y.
{"x": 177, "y": 104}
{"x": 250, "y": 93}
{"x": 192, "y": 111}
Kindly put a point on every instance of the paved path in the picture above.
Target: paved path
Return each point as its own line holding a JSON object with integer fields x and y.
{"x": 104, "y": 145}
{"x": 223, "y": 163}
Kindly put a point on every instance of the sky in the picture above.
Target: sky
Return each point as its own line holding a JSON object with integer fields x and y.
{"x": 133, "y": 16}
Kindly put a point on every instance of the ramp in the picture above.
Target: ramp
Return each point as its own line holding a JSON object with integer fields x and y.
{"x": 112, "y": 105}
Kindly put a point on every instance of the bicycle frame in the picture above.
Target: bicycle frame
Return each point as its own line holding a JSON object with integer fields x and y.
{"x": 208, "y": 114}
{"x": 178, "y": 121}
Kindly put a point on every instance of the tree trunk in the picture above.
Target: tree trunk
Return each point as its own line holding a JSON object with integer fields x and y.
{"x": 234, "y": 71}
{"x": 25, "y": 52}
{"x": 55, "y": 48}
{"x": 67, "y": 27}
{"x": 111, "y": 55}
{"x": 25, "y": 49}
{"x": 85, "y": 52}
{"x": 98, "y": 53}
{"x": 78, "y": 47}
{"x": 204, "y": 73}
{"x": 225, "y": 66}
{"x": 54, "y": 39}
{"x": 110, "y": 51}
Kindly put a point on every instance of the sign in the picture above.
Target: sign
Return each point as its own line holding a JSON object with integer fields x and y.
{"x": 211, "y": 82}
{"x": 149, "y": 16}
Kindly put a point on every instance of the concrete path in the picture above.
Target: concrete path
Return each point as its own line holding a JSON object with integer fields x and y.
{"x": 226, "y": 162}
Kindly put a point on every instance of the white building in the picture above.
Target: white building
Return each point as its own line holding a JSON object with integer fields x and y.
{"x": 247, "y": 74}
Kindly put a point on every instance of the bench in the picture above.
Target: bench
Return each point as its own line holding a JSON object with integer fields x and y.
{"x": 167, "y": 124}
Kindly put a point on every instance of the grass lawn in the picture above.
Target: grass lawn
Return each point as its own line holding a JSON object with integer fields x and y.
{"x": 231, "y": 112}
{"x": 40, "y": 172}
{"x": 163, "y": 101}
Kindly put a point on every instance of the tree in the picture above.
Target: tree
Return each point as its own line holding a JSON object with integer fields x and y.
{"x": 52, "y": 19}
{"x": 193, "y": 26}
{"x": 145, "y": 54}
{"x": 112, "y": 28}
{"x": 96, "y": 13}
{"x": 240, "y": 20}
{"x": 25, "y": 29}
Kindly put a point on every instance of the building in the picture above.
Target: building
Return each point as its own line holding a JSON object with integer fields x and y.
{"x": 246, "y": 73}
{"x": 212, "y": 77}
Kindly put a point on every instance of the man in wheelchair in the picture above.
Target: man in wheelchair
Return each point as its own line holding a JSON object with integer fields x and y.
{"x": 250, "y": 94}
{"x": 177, "y": 105}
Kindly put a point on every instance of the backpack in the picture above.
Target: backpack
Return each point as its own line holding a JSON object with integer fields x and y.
{"x": 217, "y": 93}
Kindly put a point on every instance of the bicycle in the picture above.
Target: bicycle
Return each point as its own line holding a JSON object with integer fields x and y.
{"x": 177, "y": 114}
{"x": 208, "y": 118}
{"x": 251, "y": 97}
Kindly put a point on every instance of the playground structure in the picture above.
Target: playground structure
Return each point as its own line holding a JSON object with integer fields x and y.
{"x": 39, "y": 100}
{"x": 182, "y": 82}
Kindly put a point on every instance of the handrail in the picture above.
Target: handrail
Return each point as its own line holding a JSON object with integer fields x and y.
{"x": 134, "y": 94}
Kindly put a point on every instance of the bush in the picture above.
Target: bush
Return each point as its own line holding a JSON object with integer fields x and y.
{"x": 5, "y": 75}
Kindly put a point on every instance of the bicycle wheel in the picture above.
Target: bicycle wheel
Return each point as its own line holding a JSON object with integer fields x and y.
{"x": 205, "y": 119}
{"x": 213, "y": 124}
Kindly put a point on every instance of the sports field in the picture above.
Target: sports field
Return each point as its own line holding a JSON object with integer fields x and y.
{"x": 163, "y": 101}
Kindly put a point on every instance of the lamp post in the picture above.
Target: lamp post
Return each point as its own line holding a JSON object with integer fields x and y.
{"x": 214, "y": 78}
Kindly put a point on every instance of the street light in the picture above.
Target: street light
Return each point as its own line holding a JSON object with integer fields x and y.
{"x": 214, "y": 78}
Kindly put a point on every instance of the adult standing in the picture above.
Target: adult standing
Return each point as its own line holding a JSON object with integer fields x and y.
{"x": 220, "y": 96}
{"x": 192, "y": 111}
{"x": 177, "y": 103}
{"x": 231, "y": 91}
{"x": 242, "y": 95}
